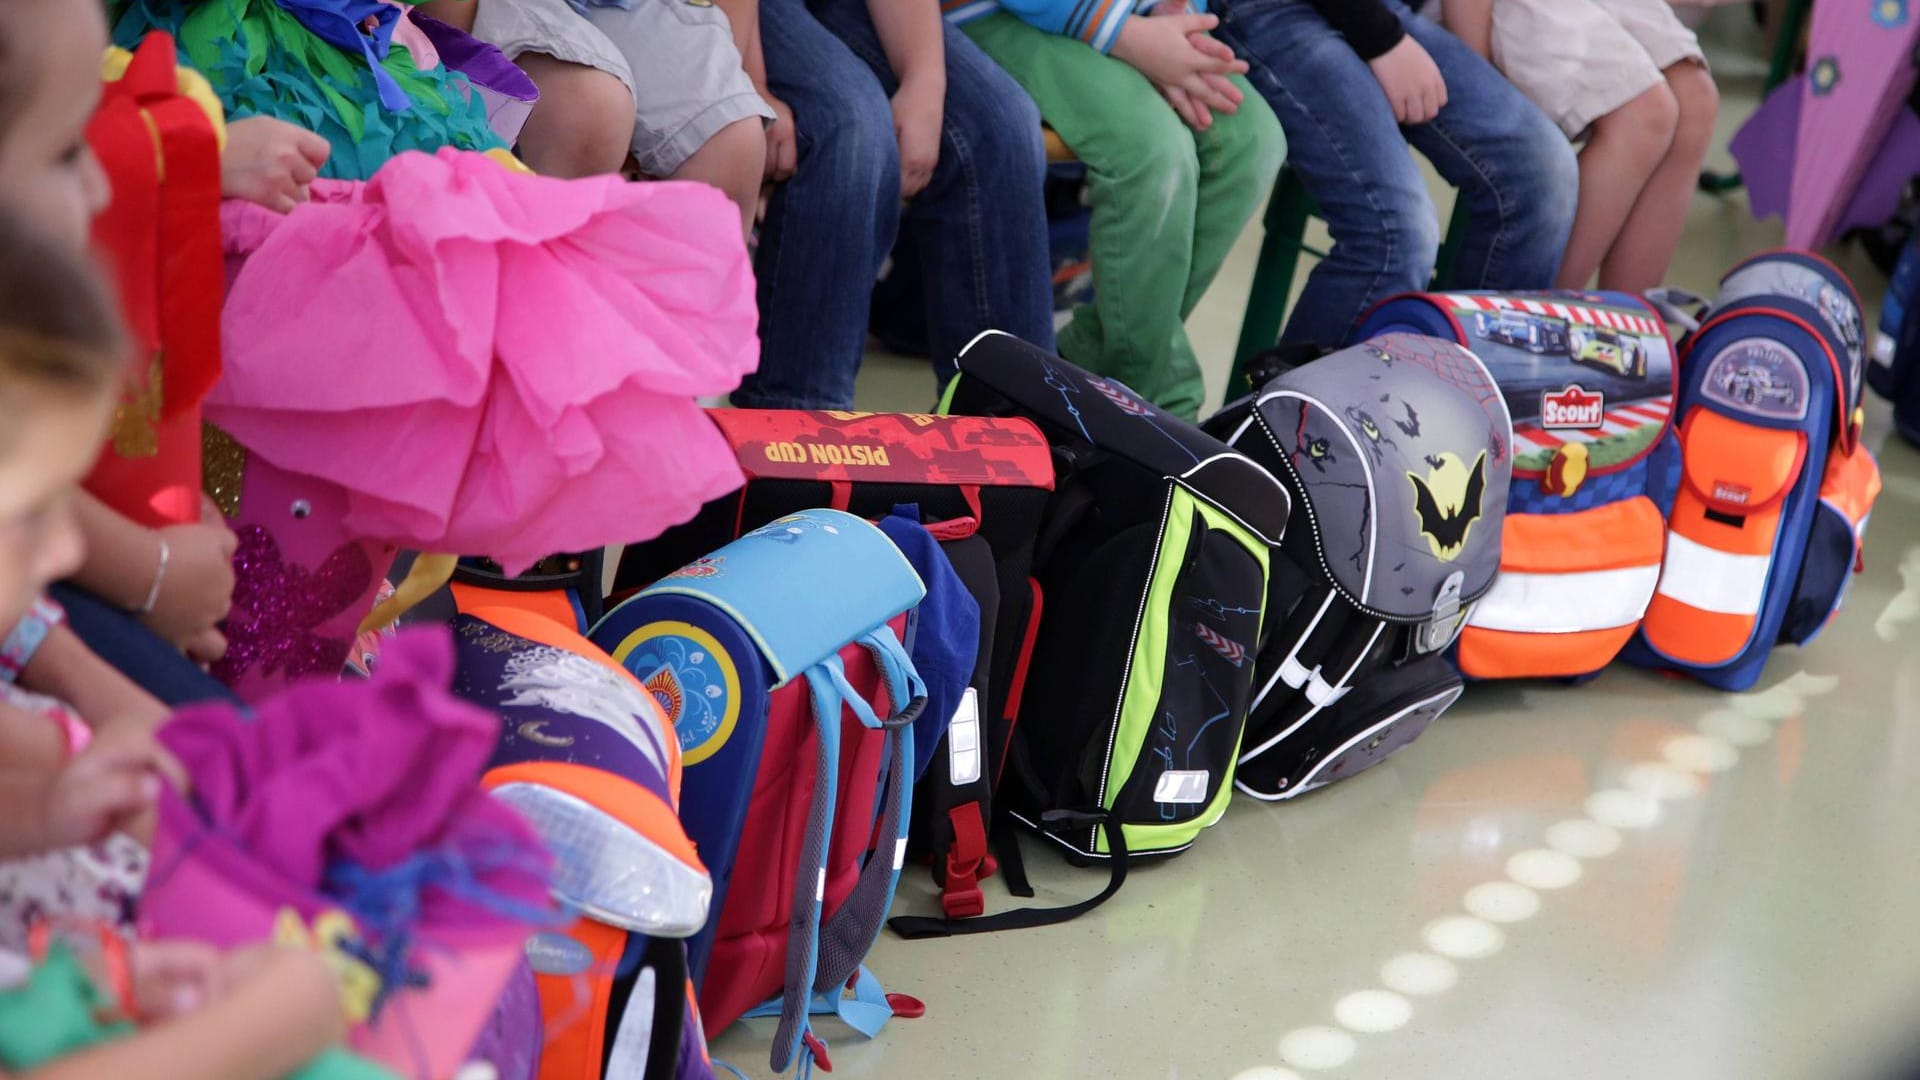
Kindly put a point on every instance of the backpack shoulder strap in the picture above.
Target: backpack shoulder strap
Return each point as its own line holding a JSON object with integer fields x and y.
{"x": 809, "y": 889}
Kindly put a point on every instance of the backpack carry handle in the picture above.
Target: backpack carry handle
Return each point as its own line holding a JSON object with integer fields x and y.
{"x": 1673, "y": 305}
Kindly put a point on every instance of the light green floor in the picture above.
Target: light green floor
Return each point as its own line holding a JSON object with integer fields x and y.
{"x": 1635, "y": 879}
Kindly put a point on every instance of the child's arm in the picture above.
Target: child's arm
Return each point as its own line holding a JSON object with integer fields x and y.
{"x": 1472, "y": 22}
{"x": 109, "y": 787}
{"x": 279, "y": 1018}
{"x": 783, "y": 148}
{"x": 913, "y": 35}
{"x": 1406, "y": 73}
{"x": 64, "y": 668}
{"x": 195, "y": 584}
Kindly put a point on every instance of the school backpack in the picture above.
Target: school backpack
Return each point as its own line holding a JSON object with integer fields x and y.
{"x": 1397, "y": 454}
{"x": 1589, "y": 381}
{"x": 1776, "y": 490}
{"x": 1895, "y": 371}
{"x": 588, "y": 757}
{"x": 778, "y": 659}
{"x": 1151, "y": 570}
{"x": 980, "y": 485}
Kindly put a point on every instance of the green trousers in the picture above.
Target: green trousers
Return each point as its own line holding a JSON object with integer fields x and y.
{"x": 1168, "y": 202}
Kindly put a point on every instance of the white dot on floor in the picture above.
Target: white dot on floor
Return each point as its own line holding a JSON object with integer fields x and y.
{"x": 1701, "y": 753}
{"x": 1736, "y": 727}
{"x": 1542, "y": 868}
{"x": 1662, "y": 781}
{"x": 1266, "y": 1072}
{"x": 1419, "y": 974}
{"x": 1502, "y": 902}
{"x": 1583, "y": 839}
{"x": 1463, "y": 938}
{"x": 1373, "y": 1011}
{"x": 1316, "y": 1048}
{"x": 1623, "y": 809}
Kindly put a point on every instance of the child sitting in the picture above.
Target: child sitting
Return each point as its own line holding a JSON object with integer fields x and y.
{"x": 660, "y": 80}
{"x": 1168, "y": 200}
{"x": 1630, "y": 77}
{"x": 258, "y": 1013}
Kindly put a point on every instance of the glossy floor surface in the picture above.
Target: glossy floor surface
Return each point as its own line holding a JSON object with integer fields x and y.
{"x": 1639, "y": 878}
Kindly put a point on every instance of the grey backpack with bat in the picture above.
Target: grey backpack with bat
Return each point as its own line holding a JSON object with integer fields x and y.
{"x": 1397, "y": 454}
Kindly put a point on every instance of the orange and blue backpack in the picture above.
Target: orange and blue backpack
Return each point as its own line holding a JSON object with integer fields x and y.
{"x": 1776, "y": 488}
{"x": 1590, "y": 381}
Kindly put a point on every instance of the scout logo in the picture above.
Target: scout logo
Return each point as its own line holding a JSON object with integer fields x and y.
{"x": 1574, "y": 407}
{"x": 793, "y": 453}
{"x": 1727, "y": 491}
{"x": 1448, "y": 502}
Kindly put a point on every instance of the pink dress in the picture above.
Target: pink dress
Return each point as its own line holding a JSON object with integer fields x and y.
{"x": 487, "y": 362}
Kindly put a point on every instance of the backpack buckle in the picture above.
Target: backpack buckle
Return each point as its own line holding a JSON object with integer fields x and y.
{"x": 1447, "y": 619}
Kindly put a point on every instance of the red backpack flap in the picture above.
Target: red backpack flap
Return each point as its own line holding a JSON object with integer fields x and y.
{"x": 887, "y": 448}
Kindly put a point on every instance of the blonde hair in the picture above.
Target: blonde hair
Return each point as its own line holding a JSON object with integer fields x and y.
{"x": 59, "y": 329}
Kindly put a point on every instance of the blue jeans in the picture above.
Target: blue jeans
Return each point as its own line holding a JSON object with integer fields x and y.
{"x": 136, "y": 652}
{"x": 979, "y": 227}
{"x": 1512, "y": 166}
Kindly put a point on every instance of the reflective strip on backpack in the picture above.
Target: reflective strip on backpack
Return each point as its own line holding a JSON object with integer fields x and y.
{"x": 1717, "y": 581}
{"x": 1566, "y": 603}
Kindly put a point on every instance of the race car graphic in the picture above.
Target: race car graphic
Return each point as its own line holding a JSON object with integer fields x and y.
{"x": 1754, "y": 385}
{"x": 1610, "y": 350}
{"x": 1538, "y": 334}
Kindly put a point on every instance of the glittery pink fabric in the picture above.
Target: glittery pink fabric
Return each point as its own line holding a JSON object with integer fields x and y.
{"x": 490, "y": 363}
{"x": 302, "y": 583}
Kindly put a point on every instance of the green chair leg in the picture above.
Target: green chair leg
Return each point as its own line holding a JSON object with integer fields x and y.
{"x": 1450, "y": 245}
{"x": 1285, "y": 230}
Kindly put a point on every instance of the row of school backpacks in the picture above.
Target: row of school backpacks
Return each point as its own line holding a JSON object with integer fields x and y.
{"x": 1683, "y": 510}
{"x": 1054, "y": 610}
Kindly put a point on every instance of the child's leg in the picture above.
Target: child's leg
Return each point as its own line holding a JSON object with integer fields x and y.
{"x": 699, "y": 116}
{"x": 734, "y": 161}
{"x": 1239, "y": 157}
{"x": 1143, "y": 179}
{"x": 583, "y": 122}
{"x": 1624, "y": 150}
{"x": 829, "y": 228}
{"x": 1638, "y": 260}
{"x": 979, "y": 227}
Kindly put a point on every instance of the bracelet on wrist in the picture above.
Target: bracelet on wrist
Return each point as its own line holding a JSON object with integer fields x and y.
{"x": 159, "y": 580}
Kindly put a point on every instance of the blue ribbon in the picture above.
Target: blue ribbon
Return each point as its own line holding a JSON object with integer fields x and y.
{"x": 342, "y": 23}
{"x": 386, "y": 903}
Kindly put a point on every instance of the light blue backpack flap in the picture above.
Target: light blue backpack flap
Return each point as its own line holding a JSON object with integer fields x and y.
{"x": 803, "y": 586}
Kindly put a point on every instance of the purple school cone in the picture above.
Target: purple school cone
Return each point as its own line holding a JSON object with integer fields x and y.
{"x": 347, "y": 816}
{"x": 507, "y": 91}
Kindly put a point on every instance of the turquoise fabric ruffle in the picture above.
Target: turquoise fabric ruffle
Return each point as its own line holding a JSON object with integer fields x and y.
{"x": 263, "y": 62}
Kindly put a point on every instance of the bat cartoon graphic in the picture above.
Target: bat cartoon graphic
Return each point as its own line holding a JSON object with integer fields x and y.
{"x": 1448, "y": 502}
{"x": 1411, "y": 428}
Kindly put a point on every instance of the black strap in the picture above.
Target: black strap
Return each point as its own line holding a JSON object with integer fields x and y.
{"x": 913, "y": 927}
{"x": 1013, "y": 865}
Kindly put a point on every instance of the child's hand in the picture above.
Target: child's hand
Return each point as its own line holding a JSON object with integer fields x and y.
{"x": 197, "y": 591}
{"x": 1411, "y": 80}
{"x": 300, "y": 980}
{"x": 783, "y": 148}
{"x": 1176, "y": 53}
{"x": 173, "y": 978}
{"x": 271, "y": 162}
{"x": 107, "y": 788}
{"x": 919, "y": 109}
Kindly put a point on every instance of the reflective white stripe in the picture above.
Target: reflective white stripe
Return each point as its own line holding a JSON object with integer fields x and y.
{"x": 900, "y": 853}
{"x": 1566, "y": 603}
{"x": 1323, "y": 693}
{"x": 963, "y": 740}
{"x": 1293, "y": 673}
{"x": 1717, "y": 581}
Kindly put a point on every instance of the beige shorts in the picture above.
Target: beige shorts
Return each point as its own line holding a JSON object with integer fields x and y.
{"x": 1581, "y": 59}
{"x": 677, "y": 57}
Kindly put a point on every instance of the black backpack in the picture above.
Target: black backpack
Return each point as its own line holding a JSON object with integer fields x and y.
{"x": 1151, "y": 572}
